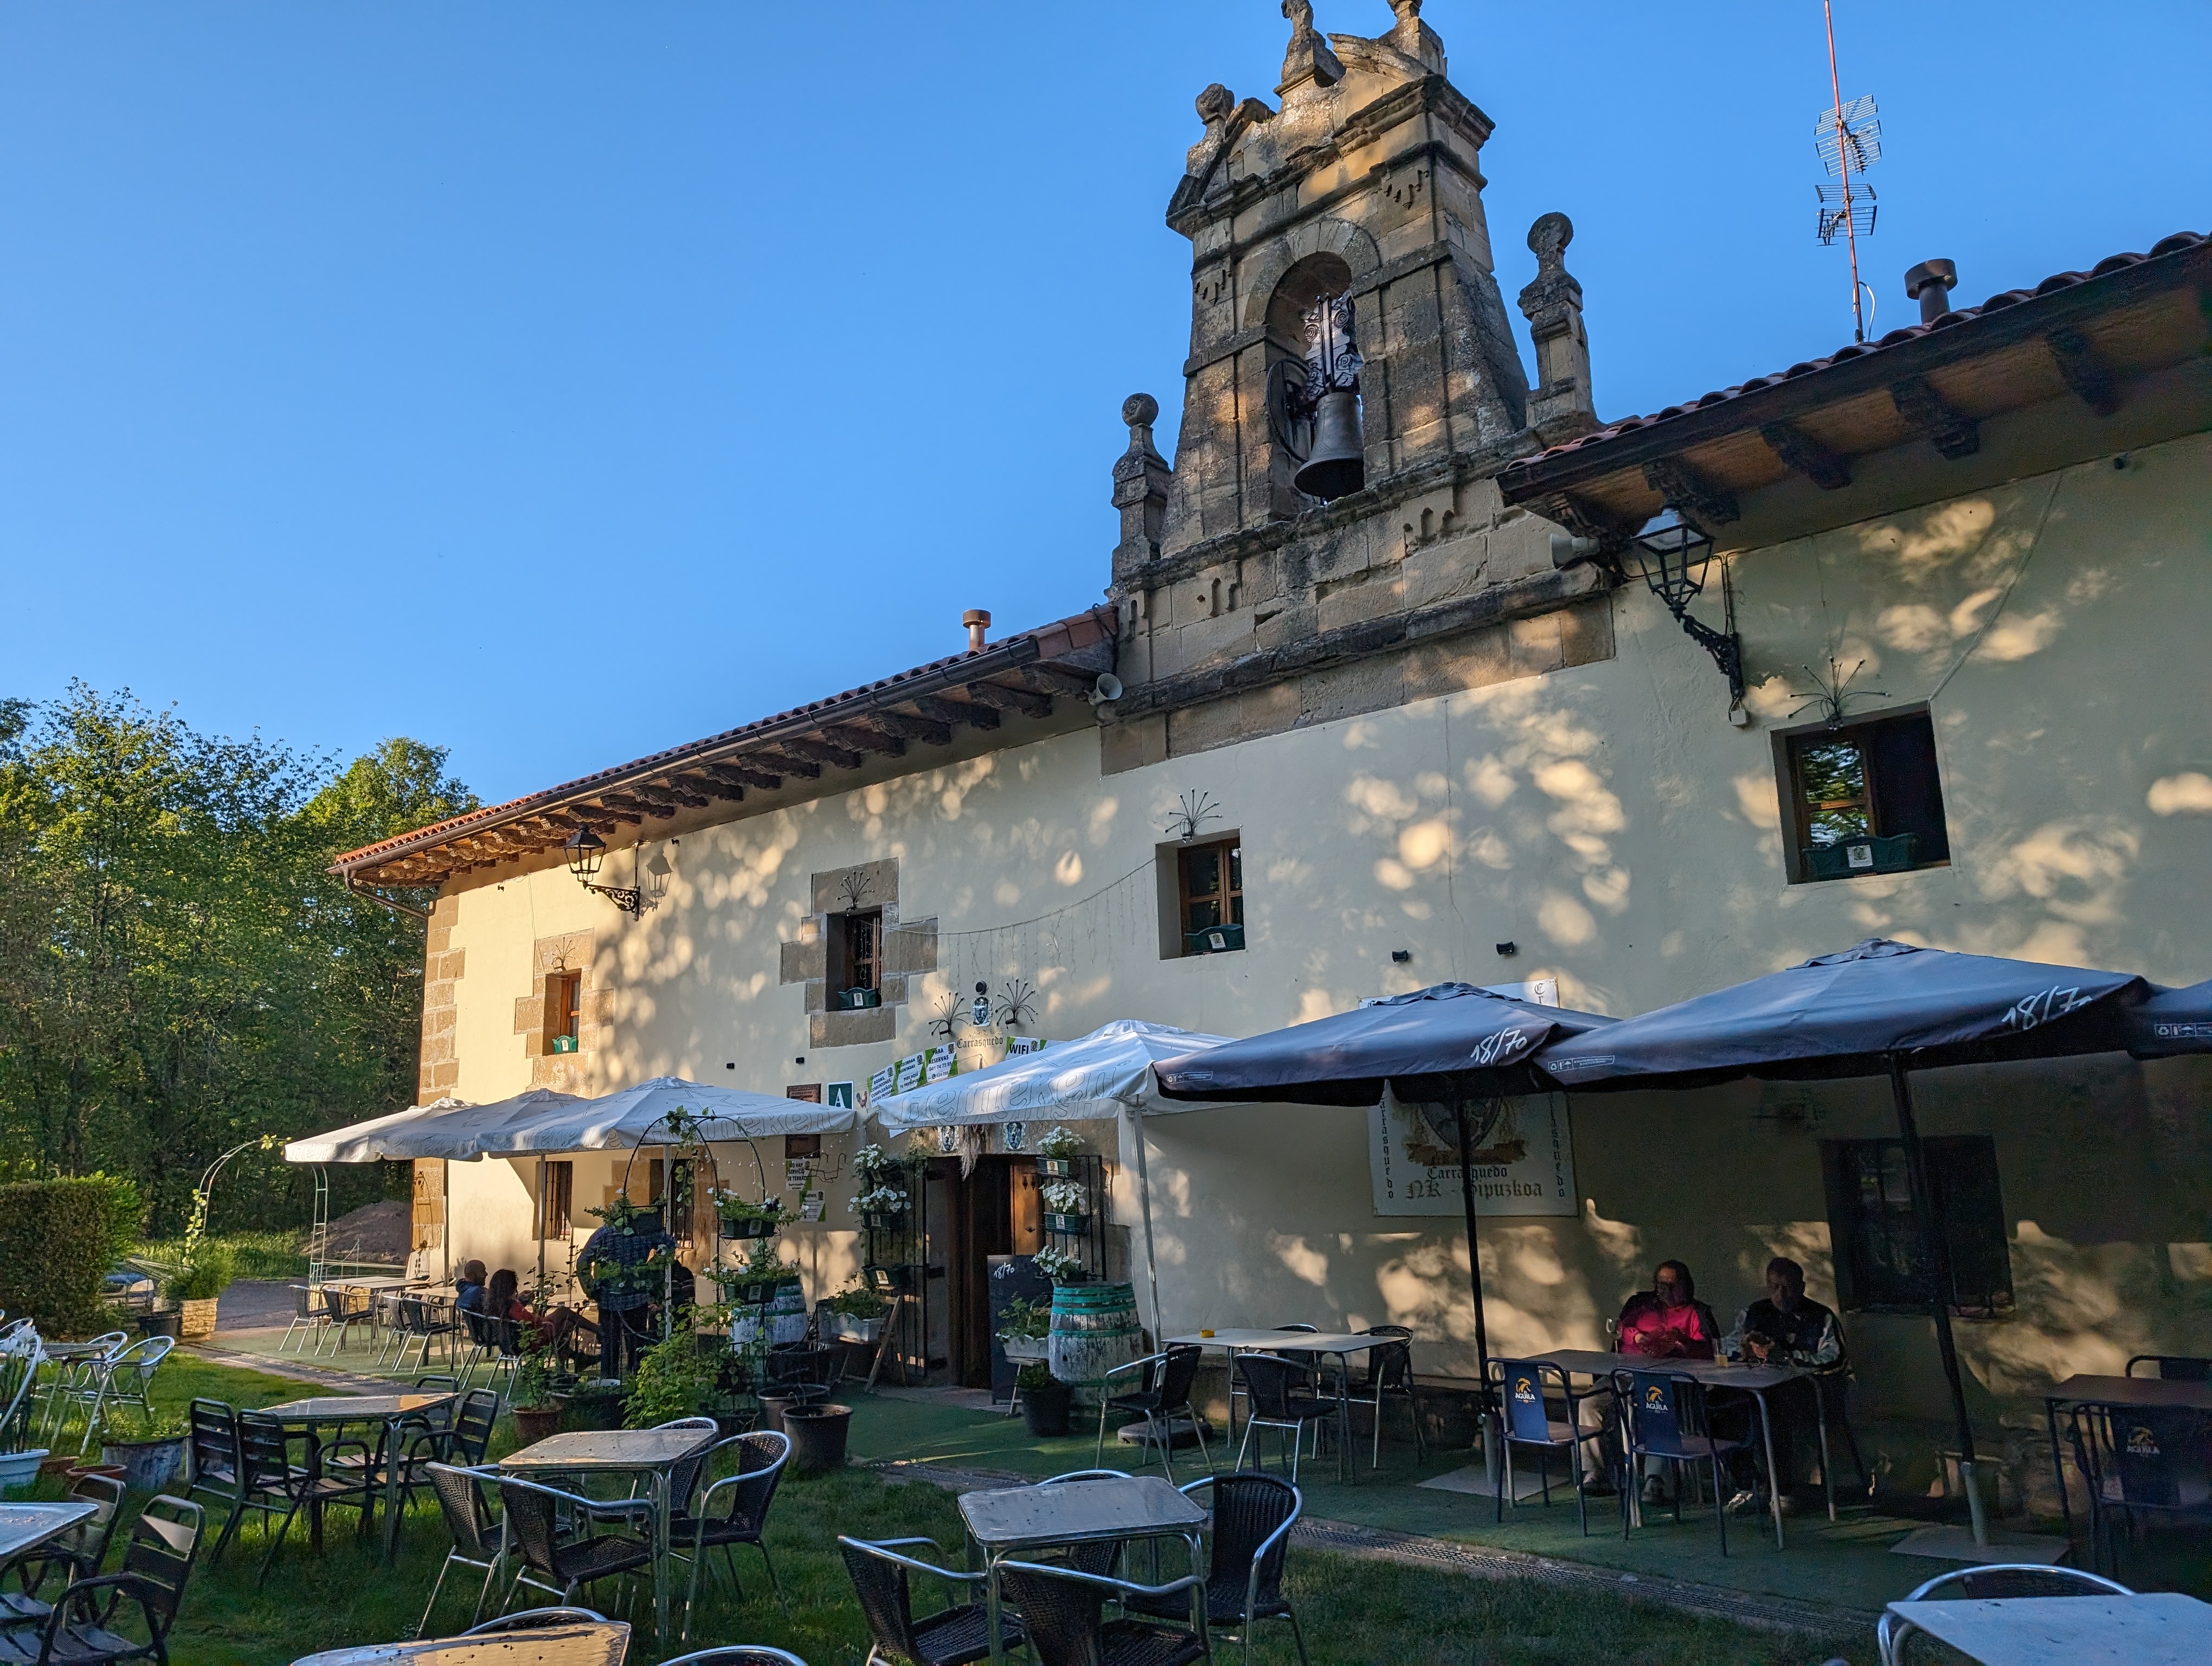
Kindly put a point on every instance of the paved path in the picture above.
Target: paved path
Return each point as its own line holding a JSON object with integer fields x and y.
{"x": 1832, "y": 1625}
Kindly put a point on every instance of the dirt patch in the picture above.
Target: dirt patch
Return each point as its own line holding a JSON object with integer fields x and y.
{"x": 375, "y": 1231}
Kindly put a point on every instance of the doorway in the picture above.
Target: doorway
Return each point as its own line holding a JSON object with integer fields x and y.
{"x": 995, "y": 1210}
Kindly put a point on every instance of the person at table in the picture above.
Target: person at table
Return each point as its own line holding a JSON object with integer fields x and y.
{"x": 469, "y": 1287}
{"x": 503, "y": 1300}
{"x": 625, "y": 1319}
{"x": 1785, "y": 1327}
{"x": 1668, "y": 1322}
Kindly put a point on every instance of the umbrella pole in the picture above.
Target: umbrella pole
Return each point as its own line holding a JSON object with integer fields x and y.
{"x": 1937, "y": 1251}
{"x": 1145, "y": 1208}
{"x": 1475, "y": 1278}
{"x": 538, "y": 1229}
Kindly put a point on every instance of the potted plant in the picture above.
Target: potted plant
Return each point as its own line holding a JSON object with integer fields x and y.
{"x": 855, "y": 1314}
{"x": 1046, "y": 1400}
{"x": 741, "y": 1219}
{"x": 1066, "y": 1206}
{"x": 196, "y": 1284}
{"x": 595, "y": 1403}
{"x": 146, "y": 1449}
{"x": 676, "y": 1377}
{"x": 883, "y": 1199}
{"x": 1057, "y": 1151}
{"x": 1060, "y": 1266}
{"x": 1025, "y": 1329}
{"x": 537, "y": 1410}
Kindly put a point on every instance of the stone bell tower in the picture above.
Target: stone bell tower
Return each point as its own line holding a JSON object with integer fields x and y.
{"x": 1351, "y": 386}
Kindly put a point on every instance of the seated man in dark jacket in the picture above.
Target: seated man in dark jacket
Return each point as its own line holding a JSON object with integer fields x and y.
{"x": 1787, "y": 1327}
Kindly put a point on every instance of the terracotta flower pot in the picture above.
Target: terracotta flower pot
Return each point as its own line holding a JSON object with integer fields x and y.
{"x": 534, "y": 1423}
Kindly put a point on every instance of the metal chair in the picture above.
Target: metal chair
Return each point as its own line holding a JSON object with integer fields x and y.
{"x": 341, "y": 1314}
{"x": 742, "y": 1654}
{"x": 475, "y": 1537}
{"x": 565, "y": 1563}
{"x": 1528, "y": 1422}
{"x": 1063, "y": 1613}
{"x": 413, "y": 1326}
{"x": 211, "y": 1451}
{"x": 76, "y": 1554}
{"x": 1091, "y": 1556}
{"x": 1664, "y": 1417}
{"x": 81, "y": 1629}
{"x": 493, "y": 1344}
{"x": 74, "y": 1384}
{"x": 1276, "y": 1401}
{"x": 125, "y": 1376}
{"x": 1391, "y": 1372}
{"x": 731, "y": 1512}
{"x": 309, "y": 1317}
{"x": 1169, "y": 1376}
{"x": 1252, "y": 1515}
{"x": 2139, "y": 1465}
{"x": 1893, "y": 1634}
{"x": 2173, "y": 1367}
{"x": 959, "y": 1634}
{"x": 469, "y": 1436}
{"x": 270, "y": 1482}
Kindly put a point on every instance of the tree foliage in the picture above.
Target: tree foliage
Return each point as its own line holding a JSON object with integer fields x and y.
{"x": 178, "y": 970}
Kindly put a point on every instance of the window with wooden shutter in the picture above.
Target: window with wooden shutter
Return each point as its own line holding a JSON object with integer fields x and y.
{"x": 1881, "y": 1261}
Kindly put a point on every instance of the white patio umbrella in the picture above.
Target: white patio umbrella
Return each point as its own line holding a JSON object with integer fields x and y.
{"x": 1105, "y": 1074}
{"x": 640, "y": 1115}
{"x": 444, "y": 1128}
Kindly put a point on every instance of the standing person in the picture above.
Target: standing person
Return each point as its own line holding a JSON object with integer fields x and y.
{"x": 622, "y": 1302}
{"x": 1786, "y": 1327}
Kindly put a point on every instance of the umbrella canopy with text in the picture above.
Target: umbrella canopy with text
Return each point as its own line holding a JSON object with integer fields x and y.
{"x": 1091, "y": 1078}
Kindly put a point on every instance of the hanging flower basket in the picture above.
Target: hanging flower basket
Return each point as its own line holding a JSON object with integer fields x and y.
{"x": 1057, "y": 1223}
{"x": 757, "y": 1227}
{"x": 878, "y": 1220}
{"x": 1057, "y": 1168}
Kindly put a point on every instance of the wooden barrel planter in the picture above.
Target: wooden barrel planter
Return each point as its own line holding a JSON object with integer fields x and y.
{"x": 1094, "y": 1329}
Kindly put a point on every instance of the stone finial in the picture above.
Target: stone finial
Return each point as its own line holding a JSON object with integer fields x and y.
{"x": 1141, "y": 477}
{"x": 1309, "y": 58}
{"x": 1415, "y": 37}
{"x": 1560, "y": 406}
{"x": 1216, "y": 104}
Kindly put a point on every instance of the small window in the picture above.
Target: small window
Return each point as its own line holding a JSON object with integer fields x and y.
{"x": 554, "y": 1204}
{"x": 856, "y": 959}
{"x": 1213, "y": 896}
{"x": 1864, "y": 798}
{"x": 564, "y": 1000}
{"x": 1880, "y": 1266}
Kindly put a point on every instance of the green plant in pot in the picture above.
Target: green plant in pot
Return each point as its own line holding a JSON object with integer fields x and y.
{"x": 149, "y": 1447}
{"x": 855, "y": 1313}
{"x": 1057, "y": 1150}
{"x": 537, "y": 1409}
{"x": 676, "y": 1377}
{"x": 744, "y": 1220}
{"x": 1047, "y": 1402}
{"x": 1060, "y": 1266}
{"x": 1024, "y": 1328}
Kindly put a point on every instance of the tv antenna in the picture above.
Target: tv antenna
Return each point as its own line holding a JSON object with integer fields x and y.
{"x": 1848, "y": 139}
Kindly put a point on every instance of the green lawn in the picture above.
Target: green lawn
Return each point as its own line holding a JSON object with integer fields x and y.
{"x": 1356, "y": 1611}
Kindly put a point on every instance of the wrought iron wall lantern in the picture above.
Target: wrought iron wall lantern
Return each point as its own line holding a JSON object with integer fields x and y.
{"x": 1672, "y": 557}
{"x": 586, "y": 851}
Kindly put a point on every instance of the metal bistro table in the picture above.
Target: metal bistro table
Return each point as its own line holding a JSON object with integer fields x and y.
{"x": 26, "y": 1526}
{"x": 648, "y": 1452}
{"x": 1010, "y": 1520}
{"x": 2163, "y": 1628}
{"x": 322, "y": 1412}
{"x": 2141, "y": 1393}
{"x": 579, "y": 1645}
{"x": 1341, "y": 1343}
{"x": 1753, "y": 1380}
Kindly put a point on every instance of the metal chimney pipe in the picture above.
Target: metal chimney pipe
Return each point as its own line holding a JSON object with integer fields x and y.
{"x": 1931, "y": 283}
{"x": 978, "y": 620}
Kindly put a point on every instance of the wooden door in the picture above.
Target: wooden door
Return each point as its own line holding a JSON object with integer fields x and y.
{"x": 983, "y": 1226}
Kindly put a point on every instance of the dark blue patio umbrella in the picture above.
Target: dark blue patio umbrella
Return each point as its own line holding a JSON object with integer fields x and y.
{"x": 1880, "y": 1008}
{"x": 2173, "y": 1022}
{"x": 1452, "y": 1044}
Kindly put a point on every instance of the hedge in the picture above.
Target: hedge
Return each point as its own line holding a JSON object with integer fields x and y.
{"x": 59, "y": 1239}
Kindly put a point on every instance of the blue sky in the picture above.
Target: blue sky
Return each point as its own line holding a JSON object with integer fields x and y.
{"x": 560, "y": 382}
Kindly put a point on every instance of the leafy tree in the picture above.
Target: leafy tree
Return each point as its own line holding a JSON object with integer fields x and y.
{"x": 179, "y": 969}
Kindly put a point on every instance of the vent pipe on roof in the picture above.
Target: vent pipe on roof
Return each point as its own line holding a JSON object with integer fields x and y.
{"x": 1931, "y": 283}
{"x": 978, "y": 620}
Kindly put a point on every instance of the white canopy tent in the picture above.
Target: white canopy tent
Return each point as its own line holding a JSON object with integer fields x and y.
{"x": 1107, "y": 1074}
{"x": 444, "y": 1128}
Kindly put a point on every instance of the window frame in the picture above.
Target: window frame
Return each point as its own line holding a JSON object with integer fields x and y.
{"x": 1227, "y": 896}
{"x": 1796, "y": 821}
{"x": 1958, "y": 1166}
{"x": 843, "y": 970}
{"x": 564, "y": 1016}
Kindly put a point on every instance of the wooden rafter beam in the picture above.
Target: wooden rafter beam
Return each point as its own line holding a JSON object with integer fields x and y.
{"x": 1050, "y": 678}
{"x": 2089, "y": 376}
{"x": 856, "y": 739}
{"x": 738, "y": 774}
{"x": 956, "y": 711}
{"x": 1799, "y": 452}
{"x": 1925, "y": 411}
{"x": 821, "y": 751}
{"x": 926, "y": 730}
{"x": 789, "y": 763}
{"x": 1012, "y": 700}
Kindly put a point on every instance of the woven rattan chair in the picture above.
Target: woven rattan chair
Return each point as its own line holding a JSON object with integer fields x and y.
{"x": 731, "y": 1512}
{"x": 1164, "y": 1392}
{"x": 561, "y": 1565}
{"x": 881, "y": 1574}
{"x": 1273, "y": 1388}
{"x": 1894, "y": 1634}
{"x": 1390, "y": 1376}
{"x": 1063, "y": 1612}
{"x": 1252, "y": 1515}
{"x": 476, "y": 1535}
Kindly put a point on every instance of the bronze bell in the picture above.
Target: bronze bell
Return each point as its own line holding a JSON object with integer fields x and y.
{"x": 1336, "y": 464}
